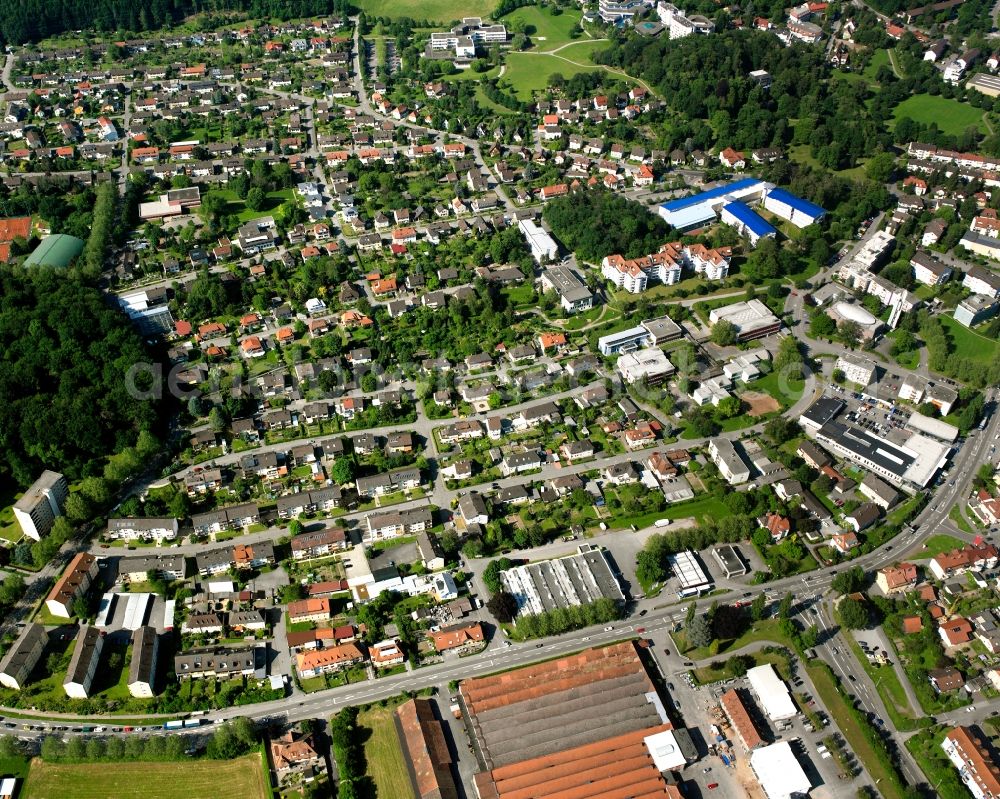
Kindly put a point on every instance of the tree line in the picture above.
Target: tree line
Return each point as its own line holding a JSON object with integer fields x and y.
{"x": 30, "y": 20}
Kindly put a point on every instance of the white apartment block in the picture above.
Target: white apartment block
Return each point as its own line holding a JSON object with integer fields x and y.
{"x": 38, "y": 507}
{"x": 857, "y": 368}
{"x": 729, "y": 461}
{"x": 143, "y": 529}
{"x": 679, "y": 24}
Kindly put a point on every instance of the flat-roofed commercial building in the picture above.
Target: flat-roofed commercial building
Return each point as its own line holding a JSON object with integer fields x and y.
{"x": 573, "y": 294}
{"x": 543, "y": 246}
{"x": 728, "y": 557}
{"x": 771, "y": 693}
{"x": 779, "y": 772}
{"x": 752, "y": 319}
{"x": 688, "y": 213}
{"x": 650, "y": 365}
{"x": 690, "y": 575}
{"x": 575, "y": 579}
{"x": 911, "y": 464}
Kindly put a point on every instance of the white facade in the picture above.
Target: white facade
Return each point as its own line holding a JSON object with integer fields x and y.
{"x": 650, "y": 364}
{"x": 771, "y": 693}
{"x": 857, "y": 368}
{"x": 779, "y": 772}
{"x": 543, "y": 246}
{"x": 625, "y": 276}
{"x": 729, "y": 462}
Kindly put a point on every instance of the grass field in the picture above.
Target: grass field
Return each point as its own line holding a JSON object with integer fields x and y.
{"x": 384, "y": 755}
{"x": 697, "y": 508}
{"x": 206, "y": 779}
{"x": 937, "y": 544}
{"x": 545, "y": 31}
{"x": 236, "y": 206}
{"x": 432, "y": 10}
{"x": 530, "y": 72}
{"x": 879, "y": 59}
{"x": 969, "y": 343}
{"x": 951, "y": 116}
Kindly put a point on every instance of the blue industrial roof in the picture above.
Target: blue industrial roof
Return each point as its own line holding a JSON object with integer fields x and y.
{"x": 804, "y": 206}
{"x": 753, "y": 221}
{"x": 718, "y": 191}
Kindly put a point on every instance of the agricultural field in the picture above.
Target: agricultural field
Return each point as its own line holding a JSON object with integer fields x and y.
{"x": 207, "y": 779}
{"x": 951, "y": 116}
{"x": 442, "y": 11}
{"x": 384, "y": 754}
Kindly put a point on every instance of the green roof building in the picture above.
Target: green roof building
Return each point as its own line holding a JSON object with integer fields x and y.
{"x": 56, "y": 250}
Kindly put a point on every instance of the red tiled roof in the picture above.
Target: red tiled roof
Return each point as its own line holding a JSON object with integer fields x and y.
{"x": 427, "y": 749}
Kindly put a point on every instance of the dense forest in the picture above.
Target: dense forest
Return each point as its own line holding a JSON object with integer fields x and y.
{"x": 64, "y": 356}
{"x": 31, "y": 20}
{"x": 594, "y": 224}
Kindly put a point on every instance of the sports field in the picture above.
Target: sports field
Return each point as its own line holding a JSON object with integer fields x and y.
{"x": 202, "y": 779}
{"x": 952, "y": 117}
{"x": 384, "y": 754}
{"x": 442, "y": 11}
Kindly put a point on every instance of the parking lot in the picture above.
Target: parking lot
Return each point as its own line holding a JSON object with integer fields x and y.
{"x": 697, "y": 706}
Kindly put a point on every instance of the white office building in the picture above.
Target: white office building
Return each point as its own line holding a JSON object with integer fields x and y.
{"x": 543, "y": 246}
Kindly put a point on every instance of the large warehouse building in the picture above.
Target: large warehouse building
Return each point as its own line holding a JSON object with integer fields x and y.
{"x": 771, "y": 693}
{"x": 688, "y": 213}
{"x": 586, "y": 726}
{"x": 559, "y": 583}
{"x": 779, "y": 772}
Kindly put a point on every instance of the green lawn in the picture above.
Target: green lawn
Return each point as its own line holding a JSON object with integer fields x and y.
{"x": 471, "y": 74}
{"x": 890, "y": 689}
{"x": 530, "y": 72}
{"x": 442, "y": 11}
{"x": 697, "y": 508}
{"x": 206, "y": 779}
{"x": 937, "y": 544}
{"x": 786, "y": 391}
{"x": 545, "y": 30}
{"x": 880, "y": 58}
{"x": 9, "y": 527}
{"x": 766, "y": 630}
{"x": 384, "y": 754}
{"x": 951, "y": 116}
{"x": 236, "y": 206}
{"x": 969, "y": 343}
